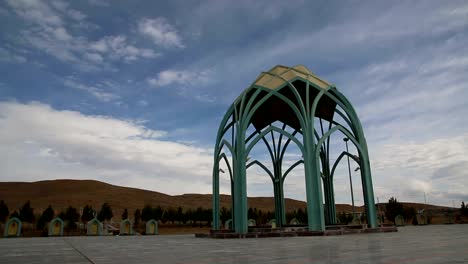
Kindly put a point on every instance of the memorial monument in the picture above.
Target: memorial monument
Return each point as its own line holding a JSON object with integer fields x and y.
{"x": 304, "y": 110}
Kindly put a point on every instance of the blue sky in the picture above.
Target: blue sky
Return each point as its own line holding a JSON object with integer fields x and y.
{"x": 131, "y": 93}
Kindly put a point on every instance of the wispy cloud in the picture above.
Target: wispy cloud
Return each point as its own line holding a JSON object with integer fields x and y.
{"x": 181, "y": 77}
{"x": 94, "y": 91}
{"x": 50, "y": 33}
{"x": 10, "y": 56}
{"x": 160, "y": 32}
{"x": 116, "y": 47}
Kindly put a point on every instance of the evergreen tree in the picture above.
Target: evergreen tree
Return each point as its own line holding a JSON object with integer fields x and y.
{"x": 464, "y": 209}
{"x": 207, "y": 216}
{"x": 157, "y": 213}
{"x": 147, "y": 213}
{"x": 26, "y": 213}
{"x": 72, "y": 216}
{"x": 47, "y": 216}
{"x": 105, "y": 213}
{"x": 4, "y": 212}
{"x": 137, "y": 216}
{"x": 15, "y": 214}
{"x": 302, "y": 215}
{"x": 125, "y": 214}
{"x": 188, "y": 216}
{"x": 392, "y": 209}
{"x": 252, "y": 213}
{"x": 198, "y": 215}
{"x": 88, "y": 214}
{"x": 224, "y": 215}
{"x": 179, "y": 214}
{"x": 170, "y": 215}
{"x": 409, "y": 213}
{"x": 345, "y": 218}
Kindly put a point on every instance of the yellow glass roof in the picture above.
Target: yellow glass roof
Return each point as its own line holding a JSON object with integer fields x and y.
{"x": 278, "y": 75}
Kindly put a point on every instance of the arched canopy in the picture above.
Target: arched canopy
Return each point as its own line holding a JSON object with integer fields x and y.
{"x": 281, "y": 78}
{"x": 298, "y": 99}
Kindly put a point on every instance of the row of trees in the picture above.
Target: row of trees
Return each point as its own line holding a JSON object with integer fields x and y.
{"x": 172, "y": 215}
{"x": 394, "y": 208}
{"x": 25, "y": 214}
{"x": 70, "y": 215}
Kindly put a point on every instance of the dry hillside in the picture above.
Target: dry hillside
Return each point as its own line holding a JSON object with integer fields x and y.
{"x": 78, "y": 193}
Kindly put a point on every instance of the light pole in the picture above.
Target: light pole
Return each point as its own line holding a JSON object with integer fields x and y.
{"x": 350, "y": 180}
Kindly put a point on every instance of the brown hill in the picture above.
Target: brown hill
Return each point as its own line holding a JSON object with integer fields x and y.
{"x": 77, "y": 193}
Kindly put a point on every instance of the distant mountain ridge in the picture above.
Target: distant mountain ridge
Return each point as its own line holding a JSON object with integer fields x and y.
{"x": 77, "y": 193}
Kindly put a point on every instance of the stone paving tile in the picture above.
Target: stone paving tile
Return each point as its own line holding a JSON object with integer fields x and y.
{"x": 421, "y": 244}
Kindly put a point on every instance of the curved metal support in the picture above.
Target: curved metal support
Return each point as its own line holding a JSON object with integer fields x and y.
{"x": 291, "y": 168}
{"x": 346, "y": 119}
{"x": 344, "y": 131}
{"x": 366, "y": 178}
{"x": 219, "y": 136}
{"x": 286, "y": 145}
{"x": 223, "y": 156}
{"x": 337, "y": 161}
{"x": 228, "y": 126}
{"x": 262, "y": 166}
{"x": 273, "y": 141}
{"x": 228, "y": 145}
{"x": 279, "y": 142}
{"x": 286, "y": 134}
{"x": 269, "y": 94}
{"x": 251, "y": 136}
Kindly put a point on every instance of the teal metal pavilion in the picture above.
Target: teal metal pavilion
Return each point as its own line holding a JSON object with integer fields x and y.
{"x": 301, "y": 102}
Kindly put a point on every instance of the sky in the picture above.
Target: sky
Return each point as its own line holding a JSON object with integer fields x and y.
{"x": 132, "y": 92}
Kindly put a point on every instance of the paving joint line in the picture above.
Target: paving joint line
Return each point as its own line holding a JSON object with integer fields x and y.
{"x": 81, "y": 253}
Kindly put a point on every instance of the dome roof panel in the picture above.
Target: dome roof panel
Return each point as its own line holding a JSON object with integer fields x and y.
{"x": 278, "y": 75}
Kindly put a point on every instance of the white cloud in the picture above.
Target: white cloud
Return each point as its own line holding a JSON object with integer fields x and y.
{"x": 160, "y": 32}
{"x": 63, "y": 7}
{"x": 185, "y": 78}
{"x": 36, "y": 12}
{"x": 436, "y": 166}
{"x": 9, "y": 56}
{"x": 68, "y": 144}
{"x": 50, "y": 33}
{"x": 116, "y": 47}
{"x": 94, "y": 91}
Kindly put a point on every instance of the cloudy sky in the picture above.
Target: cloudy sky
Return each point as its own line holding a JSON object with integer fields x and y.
{"x": 131, "y": 93}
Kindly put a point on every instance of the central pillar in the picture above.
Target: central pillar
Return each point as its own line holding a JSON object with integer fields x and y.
{"x": 240, "y": 186}
{"x": 279, "y": 202}
{"x": 329, "y": 201}
{"x": 315, "y": 215}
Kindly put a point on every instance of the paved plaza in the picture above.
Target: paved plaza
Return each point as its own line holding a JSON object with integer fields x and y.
{"x": 412, "y": 244}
